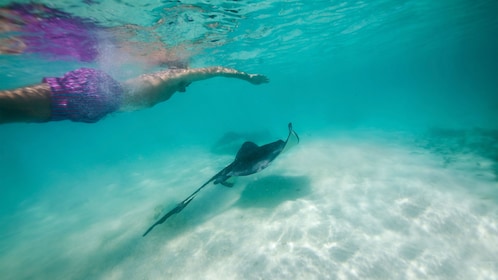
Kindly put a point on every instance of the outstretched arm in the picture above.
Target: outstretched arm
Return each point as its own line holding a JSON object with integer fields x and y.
{"x": 33, "y": 103}
{"x": 193, "y": 75}
{"x": 149, "y": 89}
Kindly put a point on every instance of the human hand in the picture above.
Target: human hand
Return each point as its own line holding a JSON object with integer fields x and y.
{"x": 257, "y": 79}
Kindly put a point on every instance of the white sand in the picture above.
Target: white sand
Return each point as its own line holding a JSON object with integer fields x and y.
{"x": 343, "y": 207}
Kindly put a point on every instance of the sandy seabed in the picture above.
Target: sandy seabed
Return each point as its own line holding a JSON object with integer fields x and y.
{"x": 337, "y": 207}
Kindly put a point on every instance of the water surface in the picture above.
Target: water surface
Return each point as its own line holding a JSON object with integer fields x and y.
{"x": 395, "y": 177}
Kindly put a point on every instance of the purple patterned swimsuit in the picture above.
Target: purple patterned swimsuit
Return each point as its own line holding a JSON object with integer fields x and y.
{"x": 83, "y": 95}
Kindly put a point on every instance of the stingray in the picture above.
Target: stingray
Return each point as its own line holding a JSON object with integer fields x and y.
{"x": 250, "y": 159}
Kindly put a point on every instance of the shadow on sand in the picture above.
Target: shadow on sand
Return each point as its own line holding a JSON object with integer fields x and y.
{"x": 269, "y": 192}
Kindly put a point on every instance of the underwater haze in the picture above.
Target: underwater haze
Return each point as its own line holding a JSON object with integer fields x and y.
{"x": 395, "y": 176}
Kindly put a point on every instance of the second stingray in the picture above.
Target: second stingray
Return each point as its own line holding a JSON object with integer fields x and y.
{"x": 250, "y": 159}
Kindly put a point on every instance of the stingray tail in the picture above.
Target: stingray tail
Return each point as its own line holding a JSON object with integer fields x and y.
{"x": 292, "y": 139}
{"x": 291, "y": 133}
{"x": 179, "y": 207}
{"x": 173, "y": 211}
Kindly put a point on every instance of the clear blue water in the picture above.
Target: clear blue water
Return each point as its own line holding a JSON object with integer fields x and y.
{"x": 396, "y": 104}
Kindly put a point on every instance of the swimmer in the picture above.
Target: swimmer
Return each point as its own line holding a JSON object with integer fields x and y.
{"x": 87, "y": 95}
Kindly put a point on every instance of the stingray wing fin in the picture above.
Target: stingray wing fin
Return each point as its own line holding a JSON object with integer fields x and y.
{"x": 247, "y": 149}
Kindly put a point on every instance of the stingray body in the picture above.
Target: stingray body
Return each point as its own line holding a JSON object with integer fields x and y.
{"x": 250, "y": 159}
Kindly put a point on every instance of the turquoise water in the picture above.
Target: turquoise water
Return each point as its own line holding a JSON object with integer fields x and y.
{"x": 395, "y": 177}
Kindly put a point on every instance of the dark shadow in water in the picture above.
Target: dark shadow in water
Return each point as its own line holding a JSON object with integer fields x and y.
{"x": 270, "y": 191}
{"x": 450, "y": 144}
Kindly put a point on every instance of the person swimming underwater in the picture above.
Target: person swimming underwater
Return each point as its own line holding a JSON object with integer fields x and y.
{"x": 88, "y": 95}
